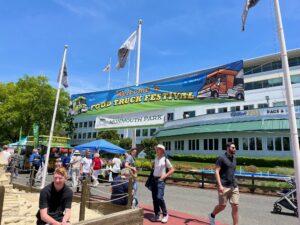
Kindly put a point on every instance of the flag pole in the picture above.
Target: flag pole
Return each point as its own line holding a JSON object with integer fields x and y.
{"x": 137, "y": 77}
{"x": 19, "y": 143}
{"x": 53, "y": 119}
{"x": 290, "y": 100}
{"x": 109, "y": 73}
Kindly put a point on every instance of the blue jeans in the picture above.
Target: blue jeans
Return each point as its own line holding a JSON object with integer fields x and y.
{"x": 158, "y": 191}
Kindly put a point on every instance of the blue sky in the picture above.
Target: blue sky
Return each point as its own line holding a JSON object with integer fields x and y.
{"x": 177, "y": 37}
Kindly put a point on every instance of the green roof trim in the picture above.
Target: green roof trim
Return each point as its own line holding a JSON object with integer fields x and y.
{"x": 261, "y": 125}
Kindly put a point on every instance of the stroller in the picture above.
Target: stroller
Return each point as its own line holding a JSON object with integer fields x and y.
{"x": 288, "y": 199}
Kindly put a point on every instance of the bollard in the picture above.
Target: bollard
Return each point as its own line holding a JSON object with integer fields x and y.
{"x": 83, "y": 200}
{"x": 2, "y": 191}
{"x": 130, "y": 188}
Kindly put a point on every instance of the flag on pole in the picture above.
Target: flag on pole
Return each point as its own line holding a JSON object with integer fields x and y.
{"x": 107, "y": 68}
{"x": 64, "y": 80}
{"x": 123, "y": 52}
{"x": 248, "y": 4}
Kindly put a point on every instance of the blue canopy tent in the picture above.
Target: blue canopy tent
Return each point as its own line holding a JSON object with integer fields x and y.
{"x": 101, "y": 145}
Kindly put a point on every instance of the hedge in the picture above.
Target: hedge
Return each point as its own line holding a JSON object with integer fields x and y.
{"x": 241, "y": 160}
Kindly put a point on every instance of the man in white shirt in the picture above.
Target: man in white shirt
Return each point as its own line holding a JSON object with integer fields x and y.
{"x": 6, "y": 155}
{"x": 86, "y": 167}
{"x": 162, "y": 169}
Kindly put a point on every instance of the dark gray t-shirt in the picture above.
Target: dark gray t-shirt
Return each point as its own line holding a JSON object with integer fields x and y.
{"x": 227, "y": 165}
{"x": 130, "y": 160}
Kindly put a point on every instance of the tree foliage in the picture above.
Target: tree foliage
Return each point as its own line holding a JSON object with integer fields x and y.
{"x": 108, "y": 135}
{"x": 126, "y": 143}
{"x": 148, "y": 145}
{"x": 30, "y": 100}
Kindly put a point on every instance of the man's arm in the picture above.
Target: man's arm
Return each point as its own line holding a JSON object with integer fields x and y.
{"x": 218, "y": 178}
{"x": 48, "y": 219}
{"x": 67, "y": 217}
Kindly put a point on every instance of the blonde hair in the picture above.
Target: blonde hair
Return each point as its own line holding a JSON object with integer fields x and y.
{"x": 96, "y": 155}
{"x": 61, "y": 171}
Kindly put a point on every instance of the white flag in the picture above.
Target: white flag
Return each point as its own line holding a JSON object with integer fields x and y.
{"x": 64, "y": 80}
{"x": 107, "y": 68}
{"x": 123, "y": 52}
{"x": 248, "y": 5}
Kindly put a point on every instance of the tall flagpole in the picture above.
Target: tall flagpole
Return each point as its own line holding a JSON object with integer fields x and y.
{"x": 137, "y": 77}
{"x": 109, "y": 73}
{"x": 290, "y": 100}
{"x": 53, "y": 119}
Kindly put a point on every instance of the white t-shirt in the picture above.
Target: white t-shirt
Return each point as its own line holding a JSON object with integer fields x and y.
{"x": 75, "y": 161}
{"x": 117, "y": 165}
{"x": 86, "y": 165}
{"x": 160, "y": 166}
{"x": 6, "y": 156}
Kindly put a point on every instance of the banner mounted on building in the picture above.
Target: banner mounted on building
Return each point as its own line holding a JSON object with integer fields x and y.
{"x": 153, "y": 118}
{"x": 217, "y": 85}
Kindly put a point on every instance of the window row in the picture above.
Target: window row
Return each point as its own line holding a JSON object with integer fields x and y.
{"x": 89, "y": 135}
{"x": 145, "y": 132}
{"x": 243, "y": 143}
{"x": 270, "y": 66}
{"x": 84, "y": 124}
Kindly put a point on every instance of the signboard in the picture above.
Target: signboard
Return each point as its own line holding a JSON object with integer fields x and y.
{"x": 130, "y": 120}
{"x": 56, "y": 141}
{"x": 217, "y": 85}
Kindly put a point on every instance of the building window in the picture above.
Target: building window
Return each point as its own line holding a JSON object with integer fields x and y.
{"x": 75, "y": 136}
{"x": 222, "y": 110}
{"x": 286, "y": 143}
{"x": 179, "y": 145}
{"x": 252, "y": 143}
{"x": 211, "y": 144}
{"x": 90, "y": 123}
{"x": 189, "y": 114}
{"x": 216, "y": 144}
{"x": 224, "y": 142}
{"x": 278, "y": 144}
{"x": 80, "y": 125}
{"x": 79, "y": 136}
{"x": 235, "y": 108}
{"x": 152, "y": 131}
{"x": 85, "y": 124}
{"x": 297, "y": 102}
{"x": 205, "y": 144}
{"x": 279, "y": 104}
{"x": 262, "y": 105}
{"x": 89, "y": 135}
{"x": 138, "y": 132}
{"x": 248, "y": 107}
{"x": 167, "y": 145}
{"x": 76, "y": 125}
{"x": 197, "y": 144}
{"x": 245, "y": 144}
{"x": 210, "y": 111}
{"x": 145, "y": 132}
{"x": 84, "y": 136}
{"x": 170, "y": 116}
{"x": 270, "y": 144}
{"x": 258, "y": 143}
{"x": 94, "y": 134}
{"x": 236, "y": 143}
{"x": 192, "y": 144}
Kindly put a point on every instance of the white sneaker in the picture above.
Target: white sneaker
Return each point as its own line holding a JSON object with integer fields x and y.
{"x": 165, "y": 219}
{"x": 155, "y": 218}
{"x": 211, "y": 219}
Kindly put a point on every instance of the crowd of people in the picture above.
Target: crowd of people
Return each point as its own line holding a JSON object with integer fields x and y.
{"x": 55, "y": 198}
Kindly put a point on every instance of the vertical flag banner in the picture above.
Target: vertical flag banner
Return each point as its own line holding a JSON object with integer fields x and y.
{"x": 35, "y": 135}
{"x": 124, "y": 50}
{"x": 248, "y": 5}
{"x": 64, "y": 80}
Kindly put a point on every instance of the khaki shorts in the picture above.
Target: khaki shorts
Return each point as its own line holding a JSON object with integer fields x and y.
{"x": 231, "y": 194}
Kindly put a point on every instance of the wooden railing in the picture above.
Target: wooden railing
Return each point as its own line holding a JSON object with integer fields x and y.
{"x": 204, "y": 178}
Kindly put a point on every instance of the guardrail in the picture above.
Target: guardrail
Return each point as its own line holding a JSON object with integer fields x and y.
{"x": 208, "y": 178}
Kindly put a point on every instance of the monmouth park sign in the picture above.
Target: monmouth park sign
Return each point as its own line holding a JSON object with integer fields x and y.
{"x": 129, "y": 120}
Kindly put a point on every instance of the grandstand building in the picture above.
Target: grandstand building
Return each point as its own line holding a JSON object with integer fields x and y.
{"x": 258, "y": 125}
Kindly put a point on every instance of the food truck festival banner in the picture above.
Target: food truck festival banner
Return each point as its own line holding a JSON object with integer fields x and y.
{"x": 219, "y": 84}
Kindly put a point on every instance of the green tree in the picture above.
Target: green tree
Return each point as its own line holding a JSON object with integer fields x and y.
{"x": 126, "y": 143}
{"x": 148, "y": 145}
{"x": 30, "y": 100}
{"x": 108, "y": 135}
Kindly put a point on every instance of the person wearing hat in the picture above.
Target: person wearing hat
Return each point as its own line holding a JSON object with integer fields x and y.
{"x": 162, "y": 168}
{"x": 75, "y": 167}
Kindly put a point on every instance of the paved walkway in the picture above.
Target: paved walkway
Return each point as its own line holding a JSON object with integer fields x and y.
{"x": 175, "y": 218}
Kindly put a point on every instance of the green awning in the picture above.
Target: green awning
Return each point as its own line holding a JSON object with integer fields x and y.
{"x": 261, "y": 125}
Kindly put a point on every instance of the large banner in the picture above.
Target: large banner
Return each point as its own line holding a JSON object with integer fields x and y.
{"x": 217, "y": 85}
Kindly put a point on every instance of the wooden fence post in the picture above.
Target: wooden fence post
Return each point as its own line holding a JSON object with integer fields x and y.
{"x": 130, "y": 188}
{"x": 202, "y": 179}
{"x": 83, "y": 200}
{"x": 253, "y": 184}
{"x": 31, "y": 177}
{"x": 2, "y": 191}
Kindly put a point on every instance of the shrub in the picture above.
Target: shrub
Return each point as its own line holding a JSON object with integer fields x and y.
{"x": 282, "y": 171}
{"x": 147, "y": 164}
{"x": 184, "y": 167}
{"x": 251, "y": 169}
